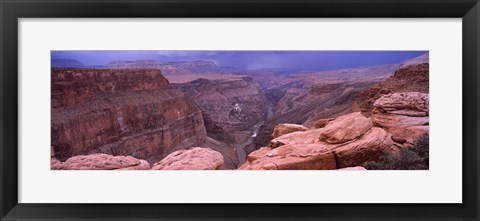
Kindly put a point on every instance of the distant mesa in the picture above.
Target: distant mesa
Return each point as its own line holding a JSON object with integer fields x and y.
{"x": 66, "y": 63}
{"x": 199, "y": 66}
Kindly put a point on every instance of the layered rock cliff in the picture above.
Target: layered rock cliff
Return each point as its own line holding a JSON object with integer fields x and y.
{"x": 232, "y": 104}
{"x": 132, "y": 112}
{"x": 413, "y": 78}
{"x": 404, "y": 115}
{"x": 231, "y": 108}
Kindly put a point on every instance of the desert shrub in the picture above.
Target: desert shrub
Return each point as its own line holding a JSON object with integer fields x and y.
{"x": 407, "y": 158}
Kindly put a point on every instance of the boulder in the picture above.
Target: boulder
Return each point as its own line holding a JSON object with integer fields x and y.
{"x": 345, "y": 128}
{"x": 101, "y": 162}
{"x": 282, "y": 129}
{"x": 408, "y": 101}
{"x": 255, "y": 155}
{"x": 353, "y": 168}
{"x": 292, "y": 157}
{"x": 299, "y": 137}
{"x": 196, "y": 158}
{"x": 55, "y": 164}
{"x": 393, "y": 122}
{"x": 367, "y": 148}
{"x": 411, "y": 134}
{"x": 322, "y": 122}
{"x": 307, "y": 151}
{"x": 404, "y": 115}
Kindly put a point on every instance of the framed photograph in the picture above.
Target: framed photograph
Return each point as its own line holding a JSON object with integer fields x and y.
{"x": 255, "y": 110}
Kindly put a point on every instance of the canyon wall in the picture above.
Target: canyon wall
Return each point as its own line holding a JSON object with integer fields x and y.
{"x": 228, "y": 106}
{"x": 412, "y": 78}
{"x": 231, "y": 108}
{"x": 308, "y": 102}
{"x": 394, "y": 113}
{"x": 130, "y": 112}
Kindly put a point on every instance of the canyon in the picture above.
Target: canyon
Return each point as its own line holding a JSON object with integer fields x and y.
{"x": 120, "y": 112}
{"x": 195, "y": 115}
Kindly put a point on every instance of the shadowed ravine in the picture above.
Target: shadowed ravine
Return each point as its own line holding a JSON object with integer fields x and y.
{"x": 241, "y": 154}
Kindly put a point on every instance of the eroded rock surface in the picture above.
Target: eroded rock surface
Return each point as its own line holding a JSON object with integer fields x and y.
{"x": 345, "y": 128}
{"x": 231, "y": 108}
{"x": 413, "y": 78}
{"x": 292, "y": 157}
{"x": 346, "y": 141}
{"x": 120, "y": 112}
{"x": 353, "y": 168}
{"x": 100, "y": 162}
{"x": 196, "y": 158}
{"x": 282, "y": 129}
{"x": 404, "y": 115}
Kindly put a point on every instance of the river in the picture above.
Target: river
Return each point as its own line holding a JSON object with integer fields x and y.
{"x": 241, "y": 154}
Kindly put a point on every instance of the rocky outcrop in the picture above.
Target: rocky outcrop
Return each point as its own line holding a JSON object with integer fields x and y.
{"x": 345, "y": 128}
{"x": 413, "y": 78}
{"x": 353, "y": 168}
{"x": 196, "y": 158}
{"x": 132, "y": 112}
{"x": 100, "y": 162}
{"x": 321, "y": 122}
{"x": 320, "y": 101}
{"x": 369, "y": 147}
{"x": 404, "y": 115}
{"x": 282, "y": 129}
{"x": 346, "y": 141}
{"x": 292, "y": 157}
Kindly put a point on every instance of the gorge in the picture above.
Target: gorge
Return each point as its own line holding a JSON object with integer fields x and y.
{"x": 196, "y": 115}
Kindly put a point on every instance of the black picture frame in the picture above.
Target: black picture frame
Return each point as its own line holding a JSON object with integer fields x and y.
{"x": 12, "y": 10}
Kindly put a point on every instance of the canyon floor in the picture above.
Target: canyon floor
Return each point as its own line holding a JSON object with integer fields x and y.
{"x": 196, "y": 116}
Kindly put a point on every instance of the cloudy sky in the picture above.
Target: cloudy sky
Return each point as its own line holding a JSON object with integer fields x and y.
{"x": 250, "y": 60}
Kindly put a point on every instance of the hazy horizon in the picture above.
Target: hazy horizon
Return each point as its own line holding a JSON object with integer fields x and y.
{"x": 249, "y": 60}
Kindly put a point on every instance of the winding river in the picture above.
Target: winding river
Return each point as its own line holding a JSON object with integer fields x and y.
{"x": 241, "y": 154}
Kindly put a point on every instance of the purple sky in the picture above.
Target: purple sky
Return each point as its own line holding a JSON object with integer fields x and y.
{"x": 282, "y": 60}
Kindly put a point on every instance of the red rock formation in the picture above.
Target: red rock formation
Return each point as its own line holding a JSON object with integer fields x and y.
{"x": 197, "y": 158}
{"x": 404, "y": 115}
{"x": 231, "y": 108}
{"x": 292, "y": 157}
{"x": 353, "y": 168}
{"x": 345, "y": 128}
{"x": 100, "y": 162}
{"x": 309, "y": 106}
{"x": 369, "y": 147}
{"x": 231, "y": 104}
{"x": 120, "y": 112}
{"x": 346, "y": 141}
{"x": 413, "y": 78}
{"x": 282, "y": 129}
